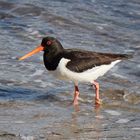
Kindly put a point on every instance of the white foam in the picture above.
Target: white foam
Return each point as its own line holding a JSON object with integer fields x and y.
{"x": 27, "y": 137}
{"x": 136, "y": 128}
{"x": 99, "y": 116}
{"x": 37, "y": 73}
{"x": 19, "y": 122}
{"x": 113, "y": 112}
{"x": 118, "y": 75}
{"x": 122, "y": 121}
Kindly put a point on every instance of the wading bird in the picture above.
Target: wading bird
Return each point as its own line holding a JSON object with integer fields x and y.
{"x": 76, "y": 65}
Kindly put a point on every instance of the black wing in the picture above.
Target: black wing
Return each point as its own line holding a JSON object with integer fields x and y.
{"x": 83, "y": 60}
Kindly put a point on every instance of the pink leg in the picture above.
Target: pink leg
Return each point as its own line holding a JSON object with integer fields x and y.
{"x": 76, "y": 95}
{"x": 97, "y": 97}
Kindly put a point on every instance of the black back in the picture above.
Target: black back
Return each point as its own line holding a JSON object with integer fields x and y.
{"x": 80, "y": 60}
{"x": 83, "y": 60}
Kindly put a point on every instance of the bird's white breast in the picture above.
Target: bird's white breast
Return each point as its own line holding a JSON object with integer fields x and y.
{"x": 62, "y": 72}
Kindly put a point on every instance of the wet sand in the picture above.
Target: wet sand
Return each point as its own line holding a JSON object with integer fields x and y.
{"x": 50, "y": 116}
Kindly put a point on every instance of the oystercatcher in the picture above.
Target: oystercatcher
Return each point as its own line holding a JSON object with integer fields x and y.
{"x": 76, "y": 65}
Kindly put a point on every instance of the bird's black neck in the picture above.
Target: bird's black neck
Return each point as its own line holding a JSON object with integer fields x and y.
{"x": 51, "y": 63}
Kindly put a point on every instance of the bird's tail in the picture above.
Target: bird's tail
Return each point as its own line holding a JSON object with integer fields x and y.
{"x": 126, "y": 56}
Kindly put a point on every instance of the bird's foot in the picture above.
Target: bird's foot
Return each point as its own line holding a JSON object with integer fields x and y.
{"x": 75, "y": 102}
{"x": 98, "y": 101}
{"x": 75, "y": 105}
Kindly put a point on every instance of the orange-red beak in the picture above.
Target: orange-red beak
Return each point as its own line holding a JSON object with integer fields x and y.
{"x": 36, "y": 50}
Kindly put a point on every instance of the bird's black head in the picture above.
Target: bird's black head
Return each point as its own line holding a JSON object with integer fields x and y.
{"x": 51, "y": 47}
{"x": 53, "y": 52}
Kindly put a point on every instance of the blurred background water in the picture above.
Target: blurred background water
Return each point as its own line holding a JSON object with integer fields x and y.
{"x": 33, "y": 102}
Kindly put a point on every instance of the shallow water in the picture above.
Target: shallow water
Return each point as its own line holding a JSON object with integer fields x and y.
{"x": 35, "y": 105}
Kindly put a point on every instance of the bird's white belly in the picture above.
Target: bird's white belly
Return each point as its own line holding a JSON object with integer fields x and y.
{"x": 63, "y": 73}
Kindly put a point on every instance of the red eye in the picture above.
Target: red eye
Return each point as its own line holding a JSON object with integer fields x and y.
{"x": 49, "y": 42}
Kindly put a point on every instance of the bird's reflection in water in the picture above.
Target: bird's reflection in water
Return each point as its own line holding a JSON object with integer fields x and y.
{"x": 87, "y": 128}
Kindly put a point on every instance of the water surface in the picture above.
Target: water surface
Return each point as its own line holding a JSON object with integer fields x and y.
{"x": 35, "y": 105}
